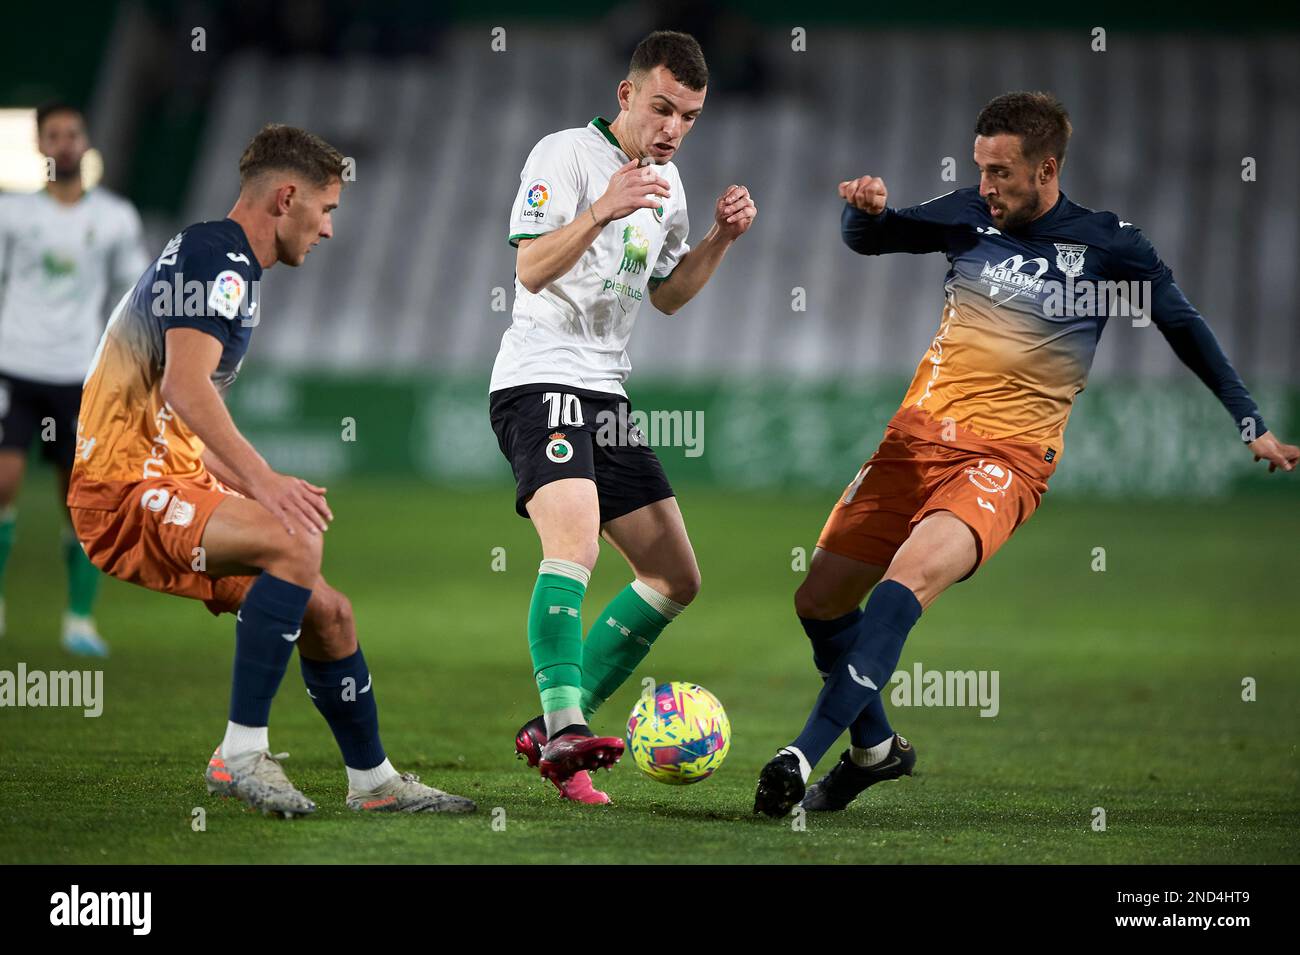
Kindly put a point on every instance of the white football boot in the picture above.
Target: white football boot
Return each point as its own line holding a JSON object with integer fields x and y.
{"x": 405, "y": 793}
{"x": 257, "y": 779}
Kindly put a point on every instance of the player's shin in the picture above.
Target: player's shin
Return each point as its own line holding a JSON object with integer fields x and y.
{"x": 266, "y": 628}
{"x": 555, "y": 641}
{"x": 829, "y": 639}
{"x": 343, "y": 692}
{"x": 863, "y": 669}
{"x": 8, "y": 531}
{"x": 620, "y": 638}
{"x": 83, "y": 577}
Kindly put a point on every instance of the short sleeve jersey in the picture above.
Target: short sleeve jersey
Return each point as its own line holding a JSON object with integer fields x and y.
{"x": 575, "y": 331}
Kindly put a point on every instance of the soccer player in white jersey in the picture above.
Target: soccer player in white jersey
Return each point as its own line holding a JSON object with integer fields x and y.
{"x": 600, "y": 225}
{"x": 68, "y": 253}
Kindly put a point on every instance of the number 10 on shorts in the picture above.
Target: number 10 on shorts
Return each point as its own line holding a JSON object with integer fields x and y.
{"x": 563, "y": 406}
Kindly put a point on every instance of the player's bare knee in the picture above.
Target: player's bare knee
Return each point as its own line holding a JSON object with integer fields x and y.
{"x": 814, "y": 602}
{"x": 295, "y": 557}
{"x": 686, "y": 588}
{"x": 682, "y": 587}
{"x": 577, "y": 553}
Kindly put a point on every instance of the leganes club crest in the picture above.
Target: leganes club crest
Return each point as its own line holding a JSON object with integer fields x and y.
{"x": 1069, "y": 259}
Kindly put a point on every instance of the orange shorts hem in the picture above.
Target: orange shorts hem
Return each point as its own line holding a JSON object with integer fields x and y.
{"x": 909, "y": 478}
{"x": 152, "y": 538}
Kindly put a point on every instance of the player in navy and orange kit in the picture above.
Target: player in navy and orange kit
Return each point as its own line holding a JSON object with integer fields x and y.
{"x": 166, "y": 493}
{"x": 967, "y": 457}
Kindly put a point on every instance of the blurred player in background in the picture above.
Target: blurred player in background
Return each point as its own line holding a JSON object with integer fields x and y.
{"x": 166, "y": 493}
{"x": 966, "y": 459}
{"x": 67, "y": 253}
{"x": 600, "y": 224}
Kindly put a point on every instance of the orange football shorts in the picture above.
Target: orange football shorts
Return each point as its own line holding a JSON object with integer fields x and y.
{"x": 149, "y": 533}
{"x": 909, "y": 478}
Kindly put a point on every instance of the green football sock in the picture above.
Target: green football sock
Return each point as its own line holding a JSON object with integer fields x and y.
{"x": 619, "y": 640}
{"x": 8, "y": 526}
{"x": 83, "y": 577}
{"x": 555, "y": 635}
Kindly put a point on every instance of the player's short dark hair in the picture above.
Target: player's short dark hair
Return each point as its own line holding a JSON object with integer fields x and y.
{"x": 1038, "y": 119}
{"x": 46, "y": 110}
{"x": 290, "y": 149}
{"x": 679, "y": 52}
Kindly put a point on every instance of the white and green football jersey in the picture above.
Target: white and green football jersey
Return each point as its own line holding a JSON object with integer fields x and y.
{"x": 61, "y": 265}
{"x": 575, "y": 331}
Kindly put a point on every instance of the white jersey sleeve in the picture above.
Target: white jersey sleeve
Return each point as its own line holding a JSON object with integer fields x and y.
{"x": 552, "y": 186}
{"x": 675, "y": 245}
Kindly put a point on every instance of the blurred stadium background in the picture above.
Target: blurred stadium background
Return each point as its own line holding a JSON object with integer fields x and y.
{"x": 398, "y": 318}
{"x": 1120, "y": 689}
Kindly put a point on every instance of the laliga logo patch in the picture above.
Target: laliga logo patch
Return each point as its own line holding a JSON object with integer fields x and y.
{"x": 535, "y": 200}
{"x": 989, "y": 477}
{"x": 155, "y": 499}
{"x": 558, "y": 449}
{"x": 227, "y": 292}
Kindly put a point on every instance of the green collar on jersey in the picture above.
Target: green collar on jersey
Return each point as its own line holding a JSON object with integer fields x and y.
{"x": 601, "y": 123}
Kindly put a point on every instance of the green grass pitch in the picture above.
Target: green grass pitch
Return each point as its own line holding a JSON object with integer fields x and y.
{"x": 1119, "y": 689}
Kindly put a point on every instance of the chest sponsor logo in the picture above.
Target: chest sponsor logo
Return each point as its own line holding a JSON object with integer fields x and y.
{"x": 536, "y": 199}
{"x": 1014, "y": 276}
{"x": 56, "y": 267}
{"x": 636, "y": 247}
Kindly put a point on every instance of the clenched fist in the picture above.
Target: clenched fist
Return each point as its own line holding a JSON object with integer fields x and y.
{"x": 633, "y": 186}
{"x": 866, "y": 193}
{"x": 734, "y": 212}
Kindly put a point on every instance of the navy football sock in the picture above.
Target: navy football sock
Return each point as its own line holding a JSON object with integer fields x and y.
{"x": 342, "y": 691}
{"x": 266, "y": 629}
{"x": 863, "y": 668}
{"x": 830, "y": 638}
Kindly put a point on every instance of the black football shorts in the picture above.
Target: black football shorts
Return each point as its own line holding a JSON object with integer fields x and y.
{"x": 552, "y": 432}
{"x": 32, "y": 409}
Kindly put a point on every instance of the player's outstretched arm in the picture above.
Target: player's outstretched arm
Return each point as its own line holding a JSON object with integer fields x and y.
{"x": 544, "y": 259}
{"x": 869, "y": 227}
{"x": 733, "y": 214}
{"x": 192, "y": 357}
{"x": 1196, "y": 346}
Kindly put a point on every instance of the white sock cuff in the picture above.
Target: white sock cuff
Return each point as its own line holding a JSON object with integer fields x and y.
{"x": 368, "y": 780}
{"x": 805, "y": 769}
{"x": 669, "y": 608}
{"x": 865, "y": 756}
{"x": 565, "y": 568}
{"x": 241, "y": 739}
